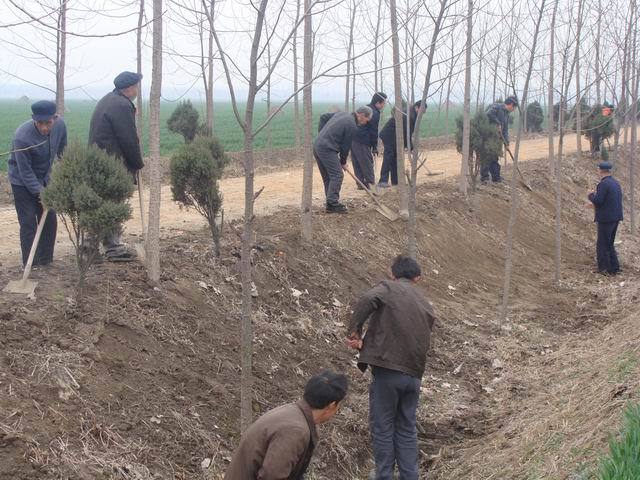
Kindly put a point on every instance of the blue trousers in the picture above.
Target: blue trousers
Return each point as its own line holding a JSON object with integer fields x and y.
{"x": 393, "y": 401}
{"x": 606, "y": 252}
{"x": 29, "y": 210}
{"x": 492, "y": 168}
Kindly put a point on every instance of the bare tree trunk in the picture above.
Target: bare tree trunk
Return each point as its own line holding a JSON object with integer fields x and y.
{"x": 376, "y": 46}
{"x": 495, "y": 73}
{"x": 139, "y": 104}
{"x": 635, "y": 78}
{"x": 307, "y": 176}
{"x": 61, "y": 57}
{"x": 296, "y": 98}
{"x": 578, "y": 92}
{"x": 554, "y": 163}
{"x": 209, "y": 91}
{"x": 397, "y": 111}
{"x": 466, "y": 119}
{"x": 269, "y": 129}
{"x": 480, "y": 63}
{"x": 352, "y": 17}
{"x": 153, "y": 232}
{"x": 449, "y": 78}
{"x": 598, "y": 79}
{"x": 514, "y": 177}
{"x": 412, "y": 246}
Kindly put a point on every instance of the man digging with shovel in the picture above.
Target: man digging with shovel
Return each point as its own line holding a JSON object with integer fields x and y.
{"x": 36, "y": 144}
{"x": 113, "y": 129}
{"x": 498, "y": 113}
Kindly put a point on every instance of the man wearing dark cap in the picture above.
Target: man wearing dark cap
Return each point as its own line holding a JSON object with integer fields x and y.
{"x": 113, "y": 129}
{"x": 364, "y": 144}
{"x": 388, "y": 136}
{"x": 497, "y": 113}
{"x": 36, "y": 144}
{"x": 607, "y": 202}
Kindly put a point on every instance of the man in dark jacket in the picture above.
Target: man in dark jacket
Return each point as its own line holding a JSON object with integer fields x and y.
{"x": 36, "y": 144}
{"x": 388, "y": 137}
{"x": 280, "y": 444}
{"x": 497, "y": 113}
{"x": 395, "y": 346}
{"x": 113, "y": 129}
{"x": 331, "y": 149}
{"x": 364, "y": 144}
{"x": 607, "y": 201}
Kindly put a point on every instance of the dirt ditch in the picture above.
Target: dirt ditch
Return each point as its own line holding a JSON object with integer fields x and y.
{"x": 143, "y": 382}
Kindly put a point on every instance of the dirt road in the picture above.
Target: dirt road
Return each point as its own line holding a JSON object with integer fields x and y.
{"x": 281, "y": 189}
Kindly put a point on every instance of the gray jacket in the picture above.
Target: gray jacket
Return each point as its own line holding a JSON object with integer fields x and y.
{"x": 335, "y": 136}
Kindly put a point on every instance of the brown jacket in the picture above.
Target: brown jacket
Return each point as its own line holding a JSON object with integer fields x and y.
{"x": 399, "y": 331}
{"x": 277, "y": 446}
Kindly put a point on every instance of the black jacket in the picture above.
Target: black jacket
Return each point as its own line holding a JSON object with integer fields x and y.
{"x": 607, "y": 200}
{"x": 113, "y": 129}
{"x": 368, "y": 134}
{"x": 498, "y": 114}
{"x": 399, "y": 331}
{"x": 388, "y": 132}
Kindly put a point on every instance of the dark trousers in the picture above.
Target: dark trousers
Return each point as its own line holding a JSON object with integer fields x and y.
{"x": 362, "y": 160}
{"x": 606, "y": 252}
{"x": 389, "y": 164}
{"x": 491, "y": 167}
{"x": 29, "y": 210}
{"x": 393, "y": 401}
{"x": 331, "y": 173}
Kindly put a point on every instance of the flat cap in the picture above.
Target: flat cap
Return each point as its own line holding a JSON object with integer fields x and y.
{"x": 605, "y": 166}
{"x": 513, "y": 100}
{"x": 43, "y": 110}
{"x": 126, "y": 79}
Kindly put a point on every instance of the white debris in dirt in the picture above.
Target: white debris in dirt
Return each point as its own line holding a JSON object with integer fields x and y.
{"x": 204, "y": 285}
{"x": 205, "y": 464}
{"x": 155, "y": 419}
{"x": 296, "y": 293}
{"x": 451, "y": 287}
{"x": 445, "y": 385}
{"x": 337, "y": 303}
{"x": 497, "y": 364}
{"x": 469, "y": 324}
{"x": 458, "y": 369}
{"x": 254, "y": 290}
{"x": 488, "y": 389}
{"x": 435, "y": 271}
{"x": 507, "y": 328}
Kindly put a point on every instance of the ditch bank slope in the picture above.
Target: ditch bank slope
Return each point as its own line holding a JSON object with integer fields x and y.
{"x": 145, "y": 383}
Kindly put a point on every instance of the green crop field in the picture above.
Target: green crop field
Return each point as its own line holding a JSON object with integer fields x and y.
{"x": 13, "y": 113}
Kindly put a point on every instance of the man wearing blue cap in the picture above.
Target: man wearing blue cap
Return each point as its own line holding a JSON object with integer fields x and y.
{"x": 36, "y": 144}
{"x": 607, "y": 202}
{"x": 113, "y": 129}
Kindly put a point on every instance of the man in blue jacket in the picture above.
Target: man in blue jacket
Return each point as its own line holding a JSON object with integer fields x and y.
{"x": 36, "y": 144}
{"x": 607, "y": 202}
{"x": 498, "y": 113}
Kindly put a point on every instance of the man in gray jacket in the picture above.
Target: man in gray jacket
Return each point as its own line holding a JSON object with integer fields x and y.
{"x": 498, "y": 114}
{"x": 399, "y": 320}
{"x": 113, "y": 129}
{"x": 36, "y": 144}
{"x": 331, "y": 149}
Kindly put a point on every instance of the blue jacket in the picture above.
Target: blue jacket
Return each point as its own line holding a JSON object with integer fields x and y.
{"x": 607, "y": 200}
{"x": 498, "y": 114}
{"x": 33, "y": 155}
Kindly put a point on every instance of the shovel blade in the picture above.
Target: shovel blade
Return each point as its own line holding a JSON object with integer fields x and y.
{"x": 387, "y": 212}
{"x": 26, "y": 287}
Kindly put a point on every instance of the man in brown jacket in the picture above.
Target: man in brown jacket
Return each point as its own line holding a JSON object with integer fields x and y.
{"x": 279, "y": 445}
{"x": 395, "y": 346}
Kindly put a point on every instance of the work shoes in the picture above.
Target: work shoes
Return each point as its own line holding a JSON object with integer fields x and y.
{"x": 336, "y": 208}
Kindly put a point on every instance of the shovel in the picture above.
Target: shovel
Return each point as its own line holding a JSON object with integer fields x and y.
{"x": 522, "y": 180}
{"x": 26, "y": 286}
{"x": 141, "y": 247}
{"x": 382, "y": 209}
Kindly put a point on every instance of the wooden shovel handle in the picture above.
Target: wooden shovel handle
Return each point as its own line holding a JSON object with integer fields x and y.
{"x": 34, "y": 245}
